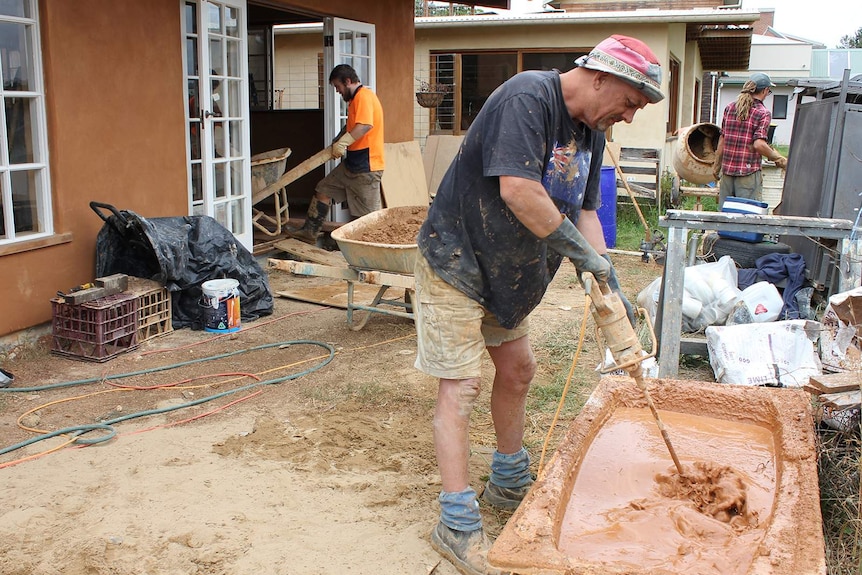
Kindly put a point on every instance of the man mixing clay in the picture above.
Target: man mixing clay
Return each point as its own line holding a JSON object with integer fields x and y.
{"x": 520, "y": 196}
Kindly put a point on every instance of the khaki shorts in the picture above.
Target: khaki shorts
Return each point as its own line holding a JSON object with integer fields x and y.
{"x": 361, "y": 191}
{"x": 749, "y": 187}
{"x": 452, "y": 329}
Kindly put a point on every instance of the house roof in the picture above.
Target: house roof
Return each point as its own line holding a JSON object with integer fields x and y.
{"x": 723, "y": 35}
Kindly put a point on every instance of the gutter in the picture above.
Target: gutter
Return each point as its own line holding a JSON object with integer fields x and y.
{"x": 712, "y": 16}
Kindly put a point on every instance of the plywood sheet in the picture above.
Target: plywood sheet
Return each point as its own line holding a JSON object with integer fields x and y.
{"x": 403, "y": 182}
{"x": 438, "y": 154}
{"x": 309, "y": 253}
{"x": 334, "y": 295}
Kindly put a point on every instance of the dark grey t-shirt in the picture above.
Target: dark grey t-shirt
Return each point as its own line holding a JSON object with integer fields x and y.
{"x": 471, "y": 238}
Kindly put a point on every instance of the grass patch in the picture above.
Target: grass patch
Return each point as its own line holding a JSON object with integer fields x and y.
{"x": 838, "y": 469}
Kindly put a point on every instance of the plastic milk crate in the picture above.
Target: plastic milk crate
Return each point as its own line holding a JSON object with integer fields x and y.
{"x": 743, "y": 206}
{"x": 154, "y": 308}
{"x": 95, "y": 331}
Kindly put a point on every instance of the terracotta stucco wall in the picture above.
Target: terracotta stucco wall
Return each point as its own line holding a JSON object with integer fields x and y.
{"x": 116, "y": 126}
{"x": 114, "y": 100}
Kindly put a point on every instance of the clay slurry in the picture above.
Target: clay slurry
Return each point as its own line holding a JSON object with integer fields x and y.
{"x": 716, "y": 490}
{"x": 629, "y": 506}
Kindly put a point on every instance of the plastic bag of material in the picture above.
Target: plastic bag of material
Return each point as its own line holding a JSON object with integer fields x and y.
{"x": 708, "y": 295}
{"x": 779, "y": 353}
{"x": 181, "y": 253}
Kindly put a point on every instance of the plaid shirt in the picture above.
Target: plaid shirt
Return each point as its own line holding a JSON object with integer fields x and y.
{"x": 739, "y": 157}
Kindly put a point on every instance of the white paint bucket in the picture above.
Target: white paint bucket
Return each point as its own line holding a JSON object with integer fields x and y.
{"x": 221, "y": 305}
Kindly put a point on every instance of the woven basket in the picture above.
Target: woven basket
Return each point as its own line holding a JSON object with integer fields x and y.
{"x": 430, "y": 99}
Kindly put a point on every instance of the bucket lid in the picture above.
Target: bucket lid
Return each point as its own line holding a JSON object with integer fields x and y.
{"x": 220, "y": 285}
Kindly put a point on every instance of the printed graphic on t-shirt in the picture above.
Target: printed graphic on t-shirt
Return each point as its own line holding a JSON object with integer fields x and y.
{"x": 566, "y": 174}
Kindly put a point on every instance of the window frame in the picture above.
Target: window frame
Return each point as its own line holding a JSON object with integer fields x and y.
{"x": 775, "y": 99}
{"x": 673, "y": 94}
{"x": 39, "y": 168}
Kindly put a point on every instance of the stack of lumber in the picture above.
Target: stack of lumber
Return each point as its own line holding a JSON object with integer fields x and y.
{"x": 837, "y": 391}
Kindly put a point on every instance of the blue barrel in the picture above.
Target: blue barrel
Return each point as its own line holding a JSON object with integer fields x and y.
{"x": 608, "y": 211}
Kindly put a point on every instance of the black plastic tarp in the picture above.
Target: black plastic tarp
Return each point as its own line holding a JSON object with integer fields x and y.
{"x": 181, "y": 253}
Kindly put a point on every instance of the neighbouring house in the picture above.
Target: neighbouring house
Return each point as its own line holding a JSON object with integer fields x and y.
{"x": 157, "y": 107}
{"x": 783, "y": 59}
{"x": 473, "y": 54}
{"x": 476, "y": 53}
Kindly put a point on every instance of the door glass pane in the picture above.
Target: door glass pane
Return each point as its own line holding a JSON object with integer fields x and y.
{"x": 19, "y": 129}
{"x": 235, "y": 135}
{"x": 232, "y": 22}
{"x": 195, "y": 139}
{"x": 197, "y": 183}
{"x": 361, "y": 68}
{"x": 216, "y": 101}
{"x": 233, "y": 97}
{"x": 360, "y": 44}
{"x": 213, "y": 18}
{"x": 237, "y": 218}
{"x": 17, "y": 60}
{"x": 191, "y": 18}
{"x": 218, "y": 137}
{"x": 216, "y": 60}
{"x": 192, "y": 56}
{"x": 20, "y": 8}
{"x": 220, "y": 215}
{"x": 345, "y": 42}
{"x": 236, "y": 178}
{"x": 233, "y": 52}
{"x": 219, "y": 180}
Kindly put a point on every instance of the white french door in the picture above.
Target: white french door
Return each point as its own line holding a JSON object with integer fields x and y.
{"x": 215, "y": 66}
{"x": 352, "y": 43}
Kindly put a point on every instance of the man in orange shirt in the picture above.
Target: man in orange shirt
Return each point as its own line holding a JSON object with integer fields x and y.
{"x": 357, "y": 178}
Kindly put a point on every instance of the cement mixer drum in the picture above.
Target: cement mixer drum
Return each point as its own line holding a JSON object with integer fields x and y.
{"x": 695, "y": 152}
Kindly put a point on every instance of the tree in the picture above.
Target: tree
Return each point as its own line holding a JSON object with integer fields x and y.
{"x": 427, "y": 8}
{"x": 854, "y": 41}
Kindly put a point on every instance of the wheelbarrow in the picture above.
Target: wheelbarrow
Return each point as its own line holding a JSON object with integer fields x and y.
{"x": 266, "y": 168}
{"x": 274, "y": 183}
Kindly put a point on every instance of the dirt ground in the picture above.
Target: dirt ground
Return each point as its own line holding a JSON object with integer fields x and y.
{"x": 331, "y": 471}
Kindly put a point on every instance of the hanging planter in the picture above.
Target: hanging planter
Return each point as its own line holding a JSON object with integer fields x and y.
{"x": 430, "y": 99}
{"x": 431, "y": 94}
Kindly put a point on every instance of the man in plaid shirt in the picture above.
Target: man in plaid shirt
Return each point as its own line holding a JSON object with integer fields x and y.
{"x": 744, "y": 130}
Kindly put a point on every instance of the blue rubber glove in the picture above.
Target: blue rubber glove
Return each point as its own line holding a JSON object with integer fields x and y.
{"x": 569, "y": 242}
{"x": 614, "y": 283}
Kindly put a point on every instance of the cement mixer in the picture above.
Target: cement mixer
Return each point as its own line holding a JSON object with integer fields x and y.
{"x": 695, "y": 153}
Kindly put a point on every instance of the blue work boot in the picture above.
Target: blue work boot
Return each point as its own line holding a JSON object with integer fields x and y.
{"x": 510, "y": 479}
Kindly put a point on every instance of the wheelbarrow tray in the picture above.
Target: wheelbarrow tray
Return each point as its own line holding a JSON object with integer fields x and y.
{"x": 397, "y": 258}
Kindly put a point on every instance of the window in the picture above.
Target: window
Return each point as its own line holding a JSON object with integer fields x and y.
{"x": 779, "y": 106}
{"x": 673, "y": 85}
{"x": 473, "y": 76}
{"x": 25, "y": 203}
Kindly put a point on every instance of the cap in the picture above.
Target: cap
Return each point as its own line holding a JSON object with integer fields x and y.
{"x": 628, "y": 59}
{"x": 761, "y": 81}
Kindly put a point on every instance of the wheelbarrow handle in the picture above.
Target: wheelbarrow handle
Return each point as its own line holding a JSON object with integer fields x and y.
{"x": 98, "y": 206}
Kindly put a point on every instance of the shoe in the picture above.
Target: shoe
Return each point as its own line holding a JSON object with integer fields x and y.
{"x": 302, "y": 234}
{"x": 310, "y": 230}
{"x": 504, "y": 497}
{"x": 466, "y": 550}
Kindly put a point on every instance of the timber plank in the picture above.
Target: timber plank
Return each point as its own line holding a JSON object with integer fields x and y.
{"x": 835, "y": 382}
{"x": 841, "y": 401}
{"x": 309, "y": 253}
